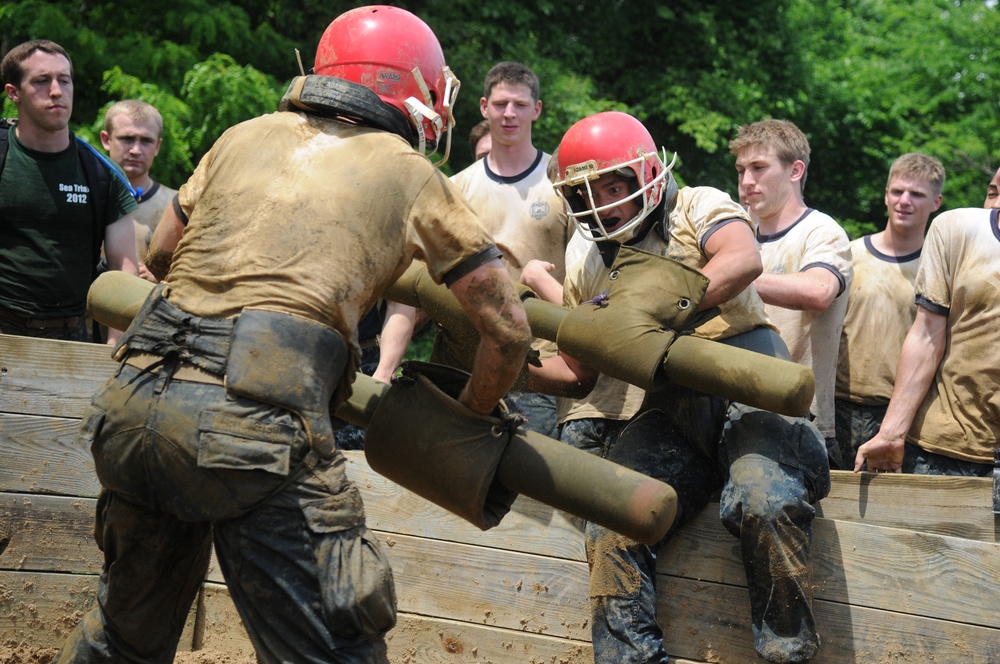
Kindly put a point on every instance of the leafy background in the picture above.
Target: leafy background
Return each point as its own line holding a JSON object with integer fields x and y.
{"x": 865, "y": 79}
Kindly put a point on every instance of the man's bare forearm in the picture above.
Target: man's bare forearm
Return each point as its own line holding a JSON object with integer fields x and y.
{"x": 488, "y": 297}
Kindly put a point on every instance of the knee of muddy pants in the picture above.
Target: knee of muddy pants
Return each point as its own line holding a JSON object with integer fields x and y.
{"x": 793, "y": 442}
{"x": 765, "y": 505}
{"x": 761, "y": 493}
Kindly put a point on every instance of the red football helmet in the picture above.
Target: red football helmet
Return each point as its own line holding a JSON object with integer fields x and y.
{"x": 605, "y": 143}
{"x": 396, "y": 55}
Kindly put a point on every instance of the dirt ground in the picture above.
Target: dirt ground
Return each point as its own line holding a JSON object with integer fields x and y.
{"x": 12, "y": 652}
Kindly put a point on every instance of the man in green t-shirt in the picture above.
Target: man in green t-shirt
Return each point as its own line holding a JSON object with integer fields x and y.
{"x": 49, "y": 243}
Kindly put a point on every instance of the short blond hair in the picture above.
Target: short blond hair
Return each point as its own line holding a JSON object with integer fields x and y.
{"x": 787, "y": 141}
{"x": 918, "y": 166}
{"x": 138, "y": 111}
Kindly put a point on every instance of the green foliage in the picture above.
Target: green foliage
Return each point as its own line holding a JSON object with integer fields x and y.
{"x": 865, "y": 79}
{"x": 222, "y": 93}
{"x": 422, "y": 343}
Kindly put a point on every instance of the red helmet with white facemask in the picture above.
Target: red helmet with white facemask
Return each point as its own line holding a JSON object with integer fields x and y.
{"x": 610, "y": 142}
{"x": 397, "y": 56}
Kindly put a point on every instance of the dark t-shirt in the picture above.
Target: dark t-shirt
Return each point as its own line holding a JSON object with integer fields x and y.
{"x": 46, "y": 230}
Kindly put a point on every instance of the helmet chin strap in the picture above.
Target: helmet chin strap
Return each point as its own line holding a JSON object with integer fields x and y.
{"x": 421, "y": 111}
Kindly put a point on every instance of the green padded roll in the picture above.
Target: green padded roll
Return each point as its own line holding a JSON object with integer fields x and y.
{"x": 116, "y": 297}
{"x": 588, "y": 486}
{"x": 751, "y": 378}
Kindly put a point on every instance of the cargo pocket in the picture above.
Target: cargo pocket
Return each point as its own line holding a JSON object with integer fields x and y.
{"x": 242, "y": 459}
{"x": 359, "y": 597}
{"x": 231, "y": 442}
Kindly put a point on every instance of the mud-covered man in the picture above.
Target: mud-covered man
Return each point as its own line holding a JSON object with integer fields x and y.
{"x": 217, "y": 426}
{"x": 769, "y": 467}
{"x": 880, "y": 309}
{"x": 943, "y": 416}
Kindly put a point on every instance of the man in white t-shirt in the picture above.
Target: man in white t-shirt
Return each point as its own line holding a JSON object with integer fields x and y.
{"x": 133, "y": 135}
{"x": 806, "y": 256}
{"x": 511, "y": 192}
{"x": 880, "y": 309}
{"x": 944, "y": 414}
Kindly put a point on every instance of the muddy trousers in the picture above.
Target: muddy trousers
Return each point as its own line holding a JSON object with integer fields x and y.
{"x": 184, "y": 464}
{"x": 770, "y": 469}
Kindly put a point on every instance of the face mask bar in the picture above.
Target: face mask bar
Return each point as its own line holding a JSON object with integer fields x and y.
{"x": 587, "y": 218}
{"x": 421, "y": 112}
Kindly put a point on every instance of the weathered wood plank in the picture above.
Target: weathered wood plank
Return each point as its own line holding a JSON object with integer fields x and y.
{"x": 55, "y": 534}
{"x": 900, "y": 570}
{"x": 48, "y": 534}
{"x": 45, "y": 455}
{"x": 428, "y": 640}
{"x": 416, "y": 639}
{"x": 490, "y": 587}
{"x": 47, "y": 377}
{"x": 711, "y": 622}
{"x": 41, "y": 609}
{"x": 955, "y": 506}
{"x": 219, "y": 625}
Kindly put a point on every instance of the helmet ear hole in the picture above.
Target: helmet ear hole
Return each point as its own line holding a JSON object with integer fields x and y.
{"x": 575, "y": 199}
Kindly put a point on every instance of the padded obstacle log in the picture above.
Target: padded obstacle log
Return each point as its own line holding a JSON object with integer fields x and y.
{"x": 708, "y": 366}
{"x": 503, "y": 465}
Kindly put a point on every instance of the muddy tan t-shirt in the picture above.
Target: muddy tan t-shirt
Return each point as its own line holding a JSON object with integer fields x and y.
{"x": 813, "y": 338}
{"x": 314, "y": 217}
{"x": 959, "y": 277}
{"x": 698, "y": 212}
{"x": 526, "y": 218}
{"x": 880, "y": 311}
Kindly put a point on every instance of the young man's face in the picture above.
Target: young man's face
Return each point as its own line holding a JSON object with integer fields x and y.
{"x": 608, "y": 190}
{"x": 910, "y": 202}
{"x": 765, "y": 183}
{"x": 510, "y": 110}
{"x": 132, "y": 145}
{"x": 993, "y": 193}
{"x": 45, "y": 96}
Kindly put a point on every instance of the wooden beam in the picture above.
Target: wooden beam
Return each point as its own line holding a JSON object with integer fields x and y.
{"x": 40, "y": 454}
{"x": 48, "y": 534}
{"x": 40, "y": 609}
{"x": 492, "y": 587}
{"x": 892, "y": 569}
{"x": 47, "y": 377}
{"x": 955, "y": 506}
{"x": 711, "y": 622}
